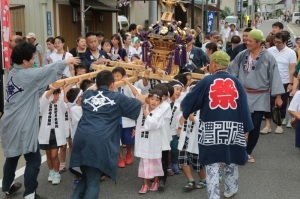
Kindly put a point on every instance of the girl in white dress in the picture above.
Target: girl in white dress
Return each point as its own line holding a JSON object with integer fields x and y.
{"x": 148, "y": 144}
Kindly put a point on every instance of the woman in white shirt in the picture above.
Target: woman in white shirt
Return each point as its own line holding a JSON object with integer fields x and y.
{"x": 49, "y": 51}
{"x": 127, "y": 45}
{"x": 61, "y": 54}
{"x": 232, "y": 32}
{"x": 117, "y": 48}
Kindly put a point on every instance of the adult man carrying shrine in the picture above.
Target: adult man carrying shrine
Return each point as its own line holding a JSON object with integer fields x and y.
{"x": 257, "y": 69}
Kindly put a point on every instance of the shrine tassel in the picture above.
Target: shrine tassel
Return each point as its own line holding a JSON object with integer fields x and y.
{"x": 183, "y": 56}
{"x": 169, "y": 66}
{"x": 177, "y": 55}
{"x": 149, "y": 58}
{"x": 178, "y": 50}
{"x": 145, "y": 50}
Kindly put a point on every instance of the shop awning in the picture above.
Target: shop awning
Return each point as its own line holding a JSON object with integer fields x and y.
{"x": 209, "y": 7}
{"x": 16, "y": 6}
{"x": 95, "y": 5}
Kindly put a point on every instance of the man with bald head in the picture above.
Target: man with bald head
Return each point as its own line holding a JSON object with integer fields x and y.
{"x": 14, "y": 40}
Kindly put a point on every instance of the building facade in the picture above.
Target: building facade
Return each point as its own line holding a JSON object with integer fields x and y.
{"x": 50, "y": 18}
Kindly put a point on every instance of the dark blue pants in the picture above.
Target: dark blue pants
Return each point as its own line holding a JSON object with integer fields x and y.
{"x": 174, "y": 149}
{"x": 89, "y": 185}
{"x": 254, "y": 134}
{"x": 164, "y": 161}
{"x": 32, "y": 169}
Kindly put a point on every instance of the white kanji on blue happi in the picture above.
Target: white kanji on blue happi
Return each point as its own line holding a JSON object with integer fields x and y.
{"x": 221, "y": 132}
{"x": 98, "y": 101}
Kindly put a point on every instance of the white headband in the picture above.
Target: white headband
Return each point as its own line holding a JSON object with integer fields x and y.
{"x": 185, "y": 73}
{"x": 79, "y": 94}
{"x": 177, "y": 83}
{"x": 154, "y": 95}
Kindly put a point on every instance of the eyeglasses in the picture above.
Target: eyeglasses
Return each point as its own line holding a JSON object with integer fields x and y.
{"x": 277, "y": 42}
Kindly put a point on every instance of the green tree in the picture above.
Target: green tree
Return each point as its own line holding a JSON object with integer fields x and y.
{"x": 226, "y": 12}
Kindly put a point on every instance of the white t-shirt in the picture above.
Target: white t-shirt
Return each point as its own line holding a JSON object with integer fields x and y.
{"x": 47, "y": 56}
{"x": 231, "y": 34}
{"x": 295, "y": 103}
{"x": 55, "y": 57}
{"x": 284, "y": 58}
{"x": 225, "y": 32}
{"x": 133, "y": 51}
{"x": 140, "y": 85}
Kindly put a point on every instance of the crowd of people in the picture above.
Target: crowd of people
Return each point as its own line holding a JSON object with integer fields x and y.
{"x": 169, "y": 126}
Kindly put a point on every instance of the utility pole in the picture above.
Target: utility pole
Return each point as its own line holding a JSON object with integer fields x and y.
{"x": 203, "y": 18}
{"x": 152, "y": 12}
{"x": 82, "y": 18}
{"x": 193, "y": 14}
{"x": 82, "y": 14}
{"x": 251, "y": 9}
{"x": 218, "y": 18}
{"x": 206, "y": 15}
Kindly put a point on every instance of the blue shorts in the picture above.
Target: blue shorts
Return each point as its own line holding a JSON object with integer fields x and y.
{"x": 126, "y": 135}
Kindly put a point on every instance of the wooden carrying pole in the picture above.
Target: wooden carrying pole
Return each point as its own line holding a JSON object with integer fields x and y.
{"x": 139, "y": 74}
{"x": 122, "y": 83}
{"x": 75, "y": 79}
{"x": 137, "y": 71}
{"x": 72, "y": 80}
{"x": 121, "y": 64}
{"x": 195, "y": 76}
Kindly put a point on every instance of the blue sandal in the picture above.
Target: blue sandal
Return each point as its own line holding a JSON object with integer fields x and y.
{"x": 202, "y": 184}
{"x": 189, "y": 186}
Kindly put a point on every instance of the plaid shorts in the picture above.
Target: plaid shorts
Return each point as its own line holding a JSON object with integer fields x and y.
{"x": 186, "y": 158}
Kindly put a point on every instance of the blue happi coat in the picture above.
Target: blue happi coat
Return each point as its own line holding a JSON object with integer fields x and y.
{"x": 97, "y": 138}
{"x": 224, "y": 118}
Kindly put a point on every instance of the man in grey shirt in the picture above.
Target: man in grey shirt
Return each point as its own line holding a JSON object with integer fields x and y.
{"x": 19, "y": 125}
{"x": 257, "y": 69}
{"x": 38, "y": 55}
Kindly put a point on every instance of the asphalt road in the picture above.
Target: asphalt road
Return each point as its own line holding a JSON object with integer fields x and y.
{"x": 275, "y": 175}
